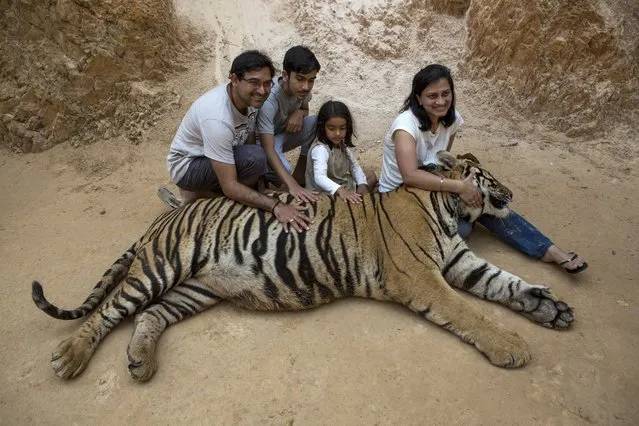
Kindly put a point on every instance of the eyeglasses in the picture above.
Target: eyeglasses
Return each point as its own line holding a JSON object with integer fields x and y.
{"x": 256, "y": 83}
{"x": 435, "y": 96}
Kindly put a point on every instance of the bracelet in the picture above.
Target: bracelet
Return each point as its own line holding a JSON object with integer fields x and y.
{"x": 275, "y": 205}
{"x": 441, "y": 184}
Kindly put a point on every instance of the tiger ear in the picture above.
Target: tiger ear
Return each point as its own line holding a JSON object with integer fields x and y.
{"x": 468, "y": 156}
{"x": 446, "y": 161}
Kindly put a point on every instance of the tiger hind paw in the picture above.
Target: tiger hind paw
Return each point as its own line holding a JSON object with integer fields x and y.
{"x": 506, "y": 350}
{"x": 71, "y": 357}
{"x": 142, "y": 361}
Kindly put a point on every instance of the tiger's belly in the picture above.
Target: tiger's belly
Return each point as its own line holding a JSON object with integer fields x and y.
{"x": 267, "y": 286}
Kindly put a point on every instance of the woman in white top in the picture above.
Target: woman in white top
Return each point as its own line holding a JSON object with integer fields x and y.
{"x": 427, "y": 124}
{"x": 332, "y": 167}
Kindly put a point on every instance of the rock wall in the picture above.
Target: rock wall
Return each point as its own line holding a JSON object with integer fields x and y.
{"x": 574, "y": 65}
{"x": 450, "y": 7}
{"x": 380, "y": 29}
{"x": 369, "y": 51}
{"x": 77, "y": 70}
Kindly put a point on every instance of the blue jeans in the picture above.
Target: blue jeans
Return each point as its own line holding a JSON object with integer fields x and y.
{"x": 514, "y": 230}
{"x": 284, "y": 142}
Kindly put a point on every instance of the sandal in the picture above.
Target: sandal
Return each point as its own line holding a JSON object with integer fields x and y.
{"x": 576, "y": 270}
{"x": 168, "y": 198}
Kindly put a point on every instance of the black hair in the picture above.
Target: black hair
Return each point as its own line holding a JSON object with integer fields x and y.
{"x": 329, "y": 110}
{"x": 251, "y": 60}
{"x": 300, "y": 59}
{"x": 430, "y": 74}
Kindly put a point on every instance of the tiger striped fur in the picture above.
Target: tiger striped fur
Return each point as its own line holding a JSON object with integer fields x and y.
{"x": 400, "y": 246}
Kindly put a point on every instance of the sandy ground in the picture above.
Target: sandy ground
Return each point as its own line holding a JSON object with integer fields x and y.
{"x": 67, "y": 214}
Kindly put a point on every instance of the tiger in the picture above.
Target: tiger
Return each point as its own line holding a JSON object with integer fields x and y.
{"x": 401, "y": 246}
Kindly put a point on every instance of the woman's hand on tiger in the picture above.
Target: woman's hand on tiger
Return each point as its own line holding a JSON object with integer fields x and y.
{"x": 348, "y": 196}
{"x": 292, "y": 216}
{"x": 362, "y": 189}
{"x": 302, "y": 194}
{"x": 469, "y": 192}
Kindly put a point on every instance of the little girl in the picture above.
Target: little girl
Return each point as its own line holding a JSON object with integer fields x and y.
{"x": 331, "y": 166}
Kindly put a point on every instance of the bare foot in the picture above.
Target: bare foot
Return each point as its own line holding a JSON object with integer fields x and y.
{"x": 570, "y": 261}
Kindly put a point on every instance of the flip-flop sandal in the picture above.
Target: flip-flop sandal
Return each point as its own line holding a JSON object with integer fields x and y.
{"x": 168, "y": 198}
{"x": 576, "y": 270}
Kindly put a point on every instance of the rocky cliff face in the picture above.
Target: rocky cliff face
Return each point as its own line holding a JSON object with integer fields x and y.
{"x": 79, "y": 70}
{"x": 574, "y": 65}
{"x": 450, "y": 7}
{"x": 75, "y": 70}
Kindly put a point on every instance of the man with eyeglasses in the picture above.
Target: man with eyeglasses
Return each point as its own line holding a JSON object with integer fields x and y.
{"x": 214, "y": 149}
{"x": 284, "y": 124}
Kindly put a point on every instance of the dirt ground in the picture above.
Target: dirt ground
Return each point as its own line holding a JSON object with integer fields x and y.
{"x": 68, "y": 213}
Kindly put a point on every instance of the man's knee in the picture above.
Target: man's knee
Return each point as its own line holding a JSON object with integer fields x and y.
{"x": 309, "y": 122}
{"x": 250, "y": 161}
{"x": 309, "y": 131}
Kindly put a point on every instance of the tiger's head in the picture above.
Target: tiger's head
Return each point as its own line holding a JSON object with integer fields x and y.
{"x": 495, "y": 195}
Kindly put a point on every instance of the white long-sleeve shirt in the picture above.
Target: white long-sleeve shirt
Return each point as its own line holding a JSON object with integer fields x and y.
{"x": 320, "y": 155}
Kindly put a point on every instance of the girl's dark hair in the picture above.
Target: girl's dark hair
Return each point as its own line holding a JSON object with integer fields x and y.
{"x": 251, "y": 60}
{"x": 329, "y": 110}
{"x": 300, "y": 59}
{"x": 430, "y": 74}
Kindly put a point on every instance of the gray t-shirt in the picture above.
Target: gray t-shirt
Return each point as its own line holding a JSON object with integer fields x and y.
{"x": 277, "y": 108}
{"x": 210, "y": 128}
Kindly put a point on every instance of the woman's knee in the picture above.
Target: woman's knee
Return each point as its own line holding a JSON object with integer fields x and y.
{"x": 464, "y": 228}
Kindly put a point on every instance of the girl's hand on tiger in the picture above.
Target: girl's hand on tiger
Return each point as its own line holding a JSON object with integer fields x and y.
{"x": 469, "y": 192}
{"x": 362, "y": 189}
{"x": 349, "y": 196}
{"x": 292, "y": 216}
{"x": 303, "y": 195}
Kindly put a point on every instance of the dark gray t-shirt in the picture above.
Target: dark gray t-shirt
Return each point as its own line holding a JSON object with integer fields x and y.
{"x": 277, "y": 108}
